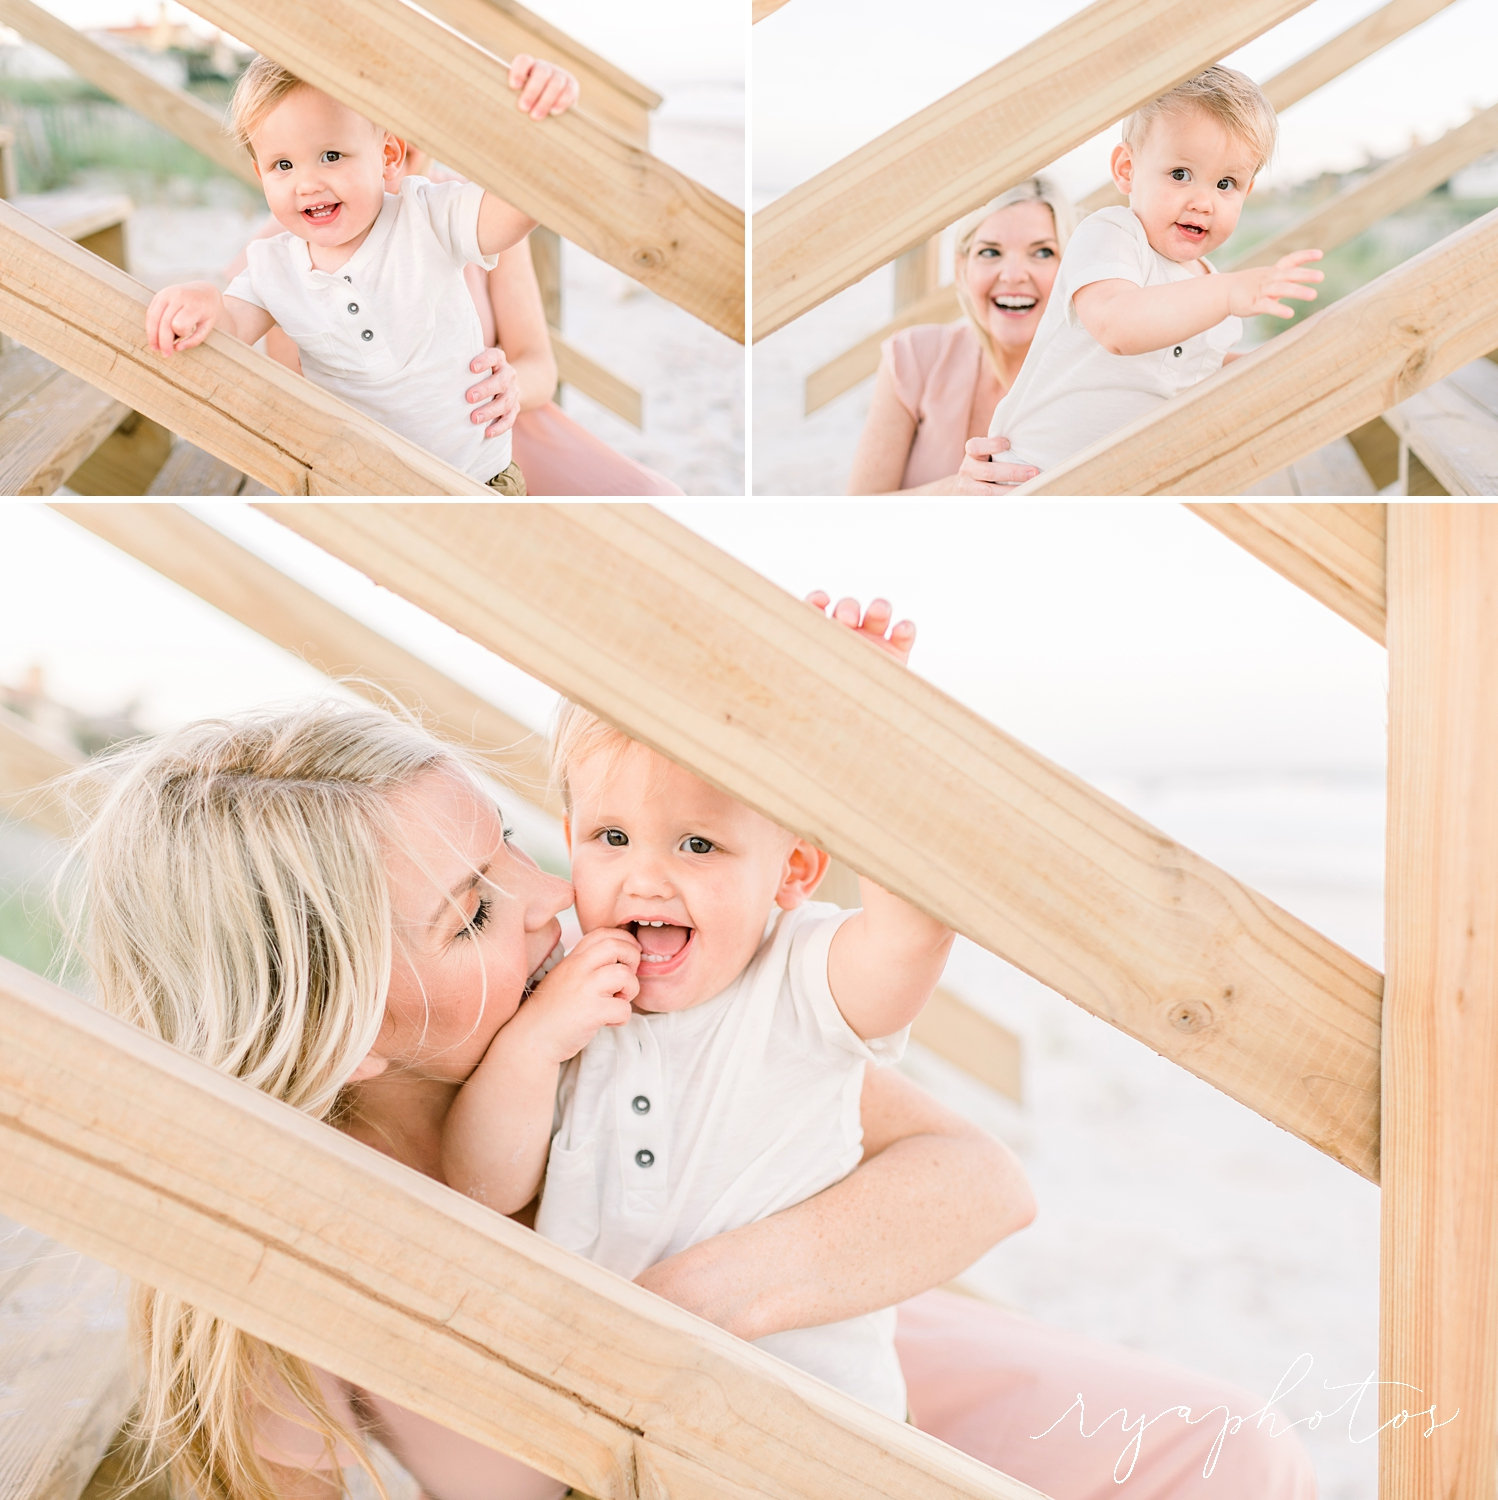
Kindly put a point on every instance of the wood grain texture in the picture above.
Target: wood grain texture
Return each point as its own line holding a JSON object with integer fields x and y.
{"x": 1332, "y": 373}
{"x": 763, "y": 8}
{"x": 1311, "y": 72}
{"x": 126, "y": 462}
{"x": 28, "y": 761}
{"x": 90, "y": 318}
{"x": 1381, "y": 193}
{"x": 1334, "y": 552}
{"x": 245, "y": 587}
{"x": 994, "y": 131}
{"x": 47, "y": 434}
{"x": 1439, "y": 1251}
{"x": 829, "y": 381}
{"x": 701, "y": 658}
{"x": 393, "y": 64}
{"x": 188, "y": 470}
{"x": 115, "y": 1144}
{"x": 1453, "y": 427}
{"x": 177, "y": 113}
{"x": 620, "y": 103}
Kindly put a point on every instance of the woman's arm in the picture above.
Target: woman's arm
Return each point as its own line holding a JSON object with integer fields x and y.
{"x": 884, "y": 444}
{"x": 868, "y": 1241}
{"x": 523, "y": 369}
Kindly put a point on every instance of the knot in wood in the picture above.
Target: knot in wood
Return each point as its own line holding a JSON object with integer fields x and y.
{"x": 649, "y": 258}
{"x": 1191, "y": 1015}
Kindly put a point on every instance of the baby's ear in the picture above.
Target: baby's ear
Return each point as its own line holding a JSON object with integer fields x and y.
{"x": 805, "y": 865}
{"x": 1121, "y": 164}
{"x": 394, "y": 151}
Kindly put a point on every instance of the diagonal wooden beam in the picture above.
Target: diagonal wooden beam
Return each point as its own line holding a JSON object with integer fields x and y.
{"x": 1384, "y": 192}
{"x": 28, "y": 761}
{"x": 422, "y": 80}
{"x": 198, "y": 1184}
{"x": 89, "y": 317}
{"x": 992, "y": 132}
{"x": 1345, "y": 50}
{"x": 245, "y": 587}
{"x": 763, "y": 8}
{"x": 1340, "y": 368}
{"x": 592, "y": 379}
{"x": 177, "y": 113}
{"x": 1439, "y": 1242}
{"x": 698, "y": 656}
{"x": 504, "y": 28}
{"x": 1334, "y": 552}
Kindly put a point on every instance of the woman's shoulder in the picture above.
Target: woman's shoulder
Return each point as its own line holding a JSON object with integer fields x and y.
{"x": 915, "y": 353}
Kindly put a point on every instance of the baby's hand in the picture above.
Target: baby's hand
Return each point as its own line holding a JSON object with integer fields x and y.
{"x": 1259, "y": 290}
{"x": 591, "y": 988}
{"x": 873, "y": 624}
{"x": 545, "y": 89}
{"x": 181, "y": 317}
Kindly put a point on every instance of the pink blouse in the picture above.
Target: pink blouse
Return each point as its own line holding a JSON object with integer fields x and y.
{"x": 936, "y": 368}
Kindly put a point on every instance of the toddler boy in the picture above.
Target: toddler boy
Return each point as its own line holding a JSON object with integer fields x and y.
{"x": 711, "y": 1029}
{"x": 368, "y": 284}
{"x": 1138, "y": 313}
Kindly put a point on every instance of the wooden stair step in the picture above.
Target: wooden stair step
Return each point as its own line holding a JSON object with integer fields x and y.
{"x": 50, "y": 423}
{"x": 1334, "y": 469}
{"x": 1452, "y": 427}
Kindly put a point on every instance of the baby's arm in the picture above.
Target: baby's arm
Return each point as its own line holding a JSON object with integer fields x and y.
{"x": 181, "y": 317}
{"x": 886, "y": 959}
{"x": 1129, "y": 319}
{"x": 498, "y": 1132}
{"x": 545, "y": 89}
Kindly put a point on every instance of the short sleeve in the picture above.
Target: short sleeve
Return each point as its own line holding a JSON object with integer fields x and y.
{"x": 807, "y": 973}
{"x": 1108, "y": 245}
{"x": 283, "y": 1433}
{"x": 898, "y": 356}
{"x": 452, "y": 211}
{"x": 243, "y": 287}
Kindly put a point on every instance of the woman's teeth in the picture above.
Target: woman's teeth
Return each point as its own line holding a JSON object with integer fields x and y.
{"x": 551, "y": 961}
{"x": 1015, "y": 304}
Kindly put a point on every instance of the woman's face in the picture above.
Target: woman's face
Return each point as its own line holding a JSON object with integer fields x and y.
{"x": 474, "y": 919}
{"x": 1011, "y": 266}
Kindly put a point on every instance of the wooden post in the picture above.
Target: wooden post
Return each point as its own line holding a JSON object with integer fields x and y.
{"x": 28, "y": 761}
{"x": 917, "y": 272}
{"x": 115, "y": 1144}
{"x": 390, "y": 62}
{"x": 1330, "y": 374}
{"x": 1000, "y": 128}
{"x": 1438, "y": 1338}
{"x": 286, "y": 432}
{"x": 696, "y": 655}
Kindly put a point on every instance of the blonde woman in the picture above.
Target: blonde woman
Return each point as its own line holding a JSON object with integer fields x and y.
{"x": 325, "y": 903}
{"x": 938, "y": 384}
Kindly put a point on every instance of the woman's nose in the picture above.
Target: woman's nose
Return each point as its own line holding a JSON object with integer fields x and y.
{"x": 553, "y": 895}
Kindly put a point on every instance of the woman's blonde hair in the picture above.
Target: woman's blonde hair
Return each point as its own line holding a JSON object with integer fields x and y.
{"x": 233, "y": 902}
{"x": 1034, "y": 190}
{"x": 261, "y": 87}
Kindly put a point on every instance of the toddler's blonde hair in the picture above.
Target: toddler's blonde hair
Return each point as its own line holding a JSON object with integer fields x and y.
{"x": 261, "y": 87}
{"x": 1040, "y": 189}
{"x": 1232, "y": 98}
{"x": 578, "y": 733}
{"x": 233, "y": 902}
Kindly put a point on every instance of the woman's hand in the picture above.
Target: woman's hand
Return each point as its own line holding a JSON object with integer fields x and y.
{"x": 498, "y": 392}
{"x": 981, "y": 475}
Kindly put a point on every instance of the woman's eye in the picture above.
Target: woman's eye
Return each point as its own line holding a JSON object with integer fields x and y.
{"x": 988, "y": 253}
{"x": 1045, "y": 253}
{"x": 479, "y": 920}
{"x": 695, "y": 845}
{"x": 615, "y": 838}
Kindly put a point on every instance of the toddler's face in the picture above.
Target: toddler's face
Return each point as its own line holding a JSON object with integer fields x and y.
{"x": 323, "y": 170}
{"x": 653, "y": 843}
{"x": 1186, "y": 182}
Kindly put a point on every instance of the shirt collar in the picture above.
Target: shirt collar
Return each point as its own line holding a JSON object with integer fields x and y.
{"x": 379, "y": 231}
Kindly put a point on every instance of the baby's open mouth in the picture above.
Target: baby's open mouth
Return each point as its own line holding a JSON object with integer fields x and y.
{"x": 1194, "y": 231}
{"x": 1014, "y": 304}
{"x": 550, "y": 962}
{"x": 320, "y": 212}
{"x": 660, "y": 941}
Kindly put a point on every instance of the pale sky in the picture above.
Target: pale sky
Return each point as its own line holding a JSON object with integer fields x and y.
{"x": 829, "y": 77}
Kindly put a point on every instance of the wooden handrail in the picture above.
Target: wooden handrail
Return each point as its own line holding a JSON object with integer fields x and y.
{"x": 1339, "y": 369}
{"x": 90, "y": 318}
{"x": 992, "y": 132}
{"x": 179, "y": 114}
{"x": 1311, "y": 72}
{"x": 198, "y": 1184}
{"x": 1334, "y": 552}
{"x": 28, "y": 761}
{"x": 691, "y": 652}
{"x": 422, "y": 80}
{"x": 1384, "y": 192}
